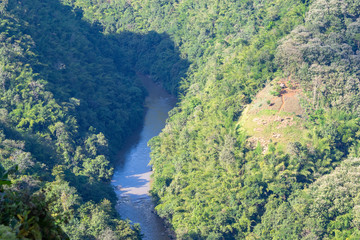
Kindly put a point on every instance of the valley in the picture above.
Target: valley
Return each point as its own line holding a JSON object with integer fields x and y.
{"x": 262, "y": 141}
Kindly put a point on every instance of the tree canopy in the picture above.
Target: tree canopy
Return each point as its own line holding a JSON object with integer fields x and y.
{"x": 69, "y": 94}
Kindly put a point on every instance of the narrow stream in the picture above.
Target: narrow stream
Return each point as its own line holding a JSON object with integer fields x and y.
{"x": 132, "y": 176}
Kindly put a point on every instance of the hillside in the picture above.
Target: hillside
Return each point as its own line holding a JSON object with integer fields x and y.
{"x": 208, "y": 182}
{"x": 264, "y": 141}
{"x": 60, "y": 93}
{"x": 275, "y": 116}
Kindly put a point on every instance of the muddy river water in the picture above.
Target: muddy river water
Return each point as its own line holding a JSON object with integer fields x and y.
{"x": 132, "y": 175}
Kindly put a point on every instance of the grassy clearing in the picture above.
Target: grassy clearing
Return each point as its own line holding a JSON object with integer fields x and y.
{"x": 268, "y": 126}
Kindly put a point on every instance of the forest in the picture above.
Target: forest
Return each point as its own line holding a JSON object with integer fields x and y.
{"x": 240, "y": 157}
{"x": 65, "y": 101}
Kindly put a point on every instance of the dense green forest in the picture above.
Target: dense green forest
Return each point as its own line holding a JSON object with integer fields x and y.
{"x": 63, "y": 96}
{"x": 68, "y": 79}
{"x": 207, "y": 181}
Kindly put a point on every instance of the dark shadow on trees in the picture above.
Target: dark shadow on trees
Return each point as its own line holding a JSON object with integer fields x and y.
{"x": 94, "y": 75}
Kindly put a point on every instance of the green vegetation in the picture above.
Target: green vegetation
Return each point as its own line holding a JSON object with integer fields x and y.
{"x": 61, "y": 91}
{"x": 208, "y": 181}
{"x": 276, "y": 90}
{"x": 270, "y": 126}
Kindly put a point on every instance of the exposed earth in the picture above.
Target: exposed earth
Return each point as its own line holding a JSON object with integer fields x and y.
{"x": 274, "y": 119}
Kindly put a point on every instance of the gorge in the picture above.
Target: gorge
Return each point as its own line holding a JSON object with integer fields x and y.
{"x": 131, "y": 178}
{"x": 262, "y": 143}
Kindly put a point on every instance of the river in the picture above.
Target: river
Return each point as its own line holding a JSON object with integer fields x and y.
{"x": 131, "y": 178}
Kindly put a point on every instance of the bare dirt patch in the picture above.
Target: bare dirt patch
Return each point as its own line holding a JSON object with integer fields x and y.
{"x": 287, "y": 101}
{"x": 274, "y": 119}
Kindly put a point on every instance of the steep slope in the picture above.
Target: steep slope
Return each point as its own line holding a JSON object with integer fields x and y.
{"x": 275, "y": 116}
{"x": 327, "y": 209}
{"x": 59, "y": 89}
{"x": 209, "y": 183}
{"x": 198, "y": 155}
